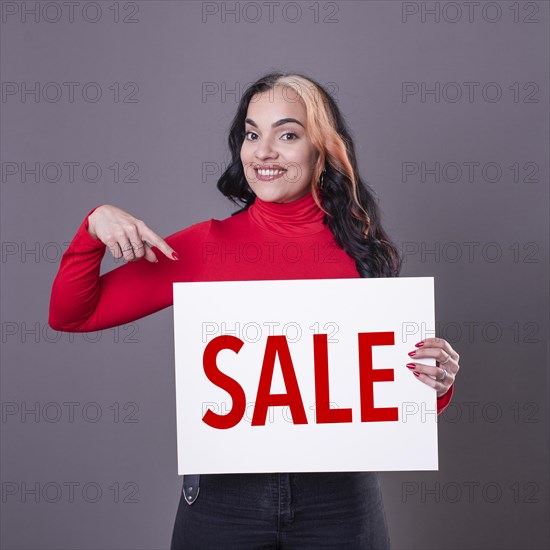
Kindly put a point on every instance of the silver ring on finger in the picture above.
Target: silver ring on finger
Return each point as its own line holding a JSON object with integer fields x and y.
{"x": 444, "y": 375}
{"x": 138, "y": 247}
{"x": 448, "y": 357}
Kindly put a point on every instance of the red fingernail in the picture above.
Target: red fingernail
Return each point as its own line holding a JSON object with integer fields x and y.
{"x": 419, "y": 345}
{"x": 175, "y": 256}
{"x": 411, "y": 366}
{"x": 412, "y": 353}
{"x": 416, "y": 373}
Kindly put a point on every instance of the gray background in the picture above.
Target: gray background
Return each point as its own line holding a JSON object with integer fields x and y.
{"x": 492, "y": 487}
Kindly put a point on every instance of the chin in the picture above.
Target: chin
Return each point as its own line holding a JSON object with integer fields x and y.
{"x": 278, "y": 195}
{"x": 275, "y": 197}
{"x": 269, "y": 195}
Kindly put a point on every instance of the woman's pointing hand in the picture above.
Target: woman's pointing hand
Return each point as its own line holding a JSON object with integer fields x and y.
{"x": 126, "y": 236}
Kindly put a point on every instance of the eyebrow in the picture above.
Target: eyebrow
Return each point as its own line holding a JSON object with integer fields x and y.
{"x": 277, "y": 123}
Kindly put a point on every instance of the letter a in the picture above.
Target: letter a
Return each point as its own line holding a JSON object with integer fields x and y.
{"x": 277, "y": 345}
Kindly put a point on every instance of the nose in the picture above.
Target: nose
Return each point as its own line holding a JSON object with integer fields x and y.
{"x": 265, "y": 150}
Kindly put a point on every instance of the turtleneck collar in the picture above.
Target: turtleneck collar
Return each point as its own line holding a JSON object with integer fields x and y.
{"x": 293, "y": 219}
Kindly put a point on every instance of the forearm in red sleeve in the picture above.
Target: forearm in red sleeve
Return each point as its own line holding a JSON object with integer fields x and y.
{"x": 75, "y": 290}
{"x": 444, "y": 400}
{"x": 83, "y": 301}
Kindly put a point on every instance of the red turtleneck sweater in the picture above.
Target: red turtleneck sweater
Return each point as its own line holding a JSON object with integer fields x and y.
{"x": 268, "y": 241}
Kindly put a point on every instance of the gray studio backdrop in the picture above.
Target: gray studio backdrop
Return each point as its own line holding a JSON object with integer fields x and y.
{"x": 129, "y": 103}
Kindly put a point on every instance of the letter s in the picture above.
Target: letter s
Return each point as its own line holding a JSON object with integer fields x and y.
{"x": 225, "y": 382}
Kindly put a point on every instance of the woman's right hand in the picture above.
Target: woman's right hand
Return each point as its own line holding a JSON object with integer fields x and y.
{"x": 125, "y": 236}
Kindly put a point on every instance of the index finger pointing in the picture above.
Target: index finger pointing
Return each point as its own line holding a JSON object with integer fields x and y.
{"x": 160, "y": 243}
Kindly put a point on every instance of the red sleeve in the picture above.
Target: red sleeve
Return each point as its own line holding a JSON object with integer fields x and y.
{"x": 444, "y": 400}
{"x": 83, "y": 301}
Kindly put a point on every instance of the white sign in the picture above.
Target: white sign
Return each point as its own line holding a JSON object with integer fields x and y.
{"x": 303, "y": 376}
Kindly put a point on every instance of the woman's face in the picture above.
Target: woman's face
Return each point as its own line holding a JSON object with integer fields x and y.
{"x": 278, "y": 157}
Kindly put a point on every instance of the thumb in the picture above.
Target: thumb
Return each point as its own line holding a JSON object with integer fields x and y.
{"x": 149, "y": 254}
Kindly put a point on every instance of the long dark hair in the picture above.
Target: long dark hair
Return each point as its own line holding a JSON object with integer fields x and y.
{"x": 350, "y": 205}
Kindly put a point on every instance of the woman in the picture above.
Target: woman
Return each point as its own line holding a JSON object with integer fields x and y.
{"x": 294, "y": 169}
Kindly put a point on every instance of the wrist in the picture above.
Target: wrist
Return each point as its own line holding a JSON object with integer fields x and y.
{"x": 90, "y": 226}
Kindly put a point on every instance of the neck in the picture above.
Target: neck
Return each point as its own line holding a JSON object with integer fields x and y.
{"x": 299, "y": 217}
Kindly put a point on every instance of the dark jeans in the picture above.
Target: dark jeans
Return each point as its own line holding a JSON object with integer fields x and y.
{"x": 302, "y": 511}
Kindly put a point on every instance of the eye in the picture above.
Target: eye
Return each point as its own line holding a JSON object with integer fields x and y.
{"x": 249, "y": 132}
{"x": 290, "y": 134}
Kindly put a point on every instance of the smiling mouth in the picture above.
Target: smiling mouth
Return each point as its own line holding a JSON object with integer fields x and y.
{"x": 268, "y": 174}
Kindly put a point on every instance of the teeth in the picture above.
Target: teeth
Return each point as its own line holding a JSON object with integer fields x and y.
{"x": 267, "y": 173}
